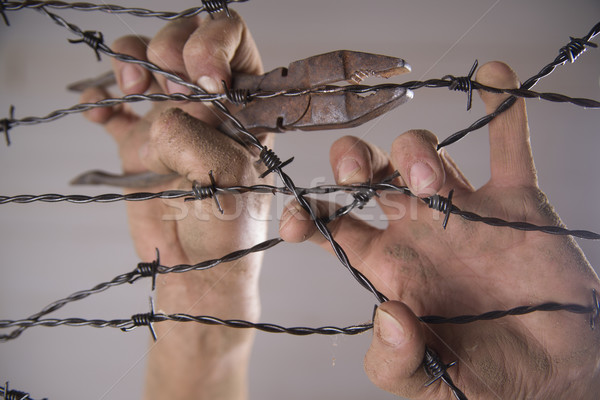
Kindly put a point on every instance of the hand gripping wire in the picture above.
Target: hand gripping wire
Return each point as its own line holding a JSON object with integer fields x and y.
{"x": 463, "y": 84}
{"x": 436, "y": 369}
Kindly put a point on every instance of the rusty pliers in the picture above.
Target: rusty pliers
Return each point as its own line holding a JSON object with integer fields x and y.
{"x": 290, "y": 99}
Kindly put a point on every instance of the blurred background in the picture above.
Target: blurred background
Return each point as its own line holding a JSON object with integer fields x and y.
{"x": 52, "y": 250}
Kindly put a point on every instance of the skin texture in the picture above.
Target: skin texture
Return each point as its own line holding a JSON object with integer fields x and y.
{"x": 469, "y": 268}
{"x": 190, "y": 360}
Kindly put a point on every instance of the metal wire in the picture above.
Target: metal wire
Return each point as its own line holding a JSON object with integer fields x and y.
{"x": 208, "y": 6}
{"x": 570, "y": 52}
{"x": 246, "y": 97}
{"x": 362, "y": 194}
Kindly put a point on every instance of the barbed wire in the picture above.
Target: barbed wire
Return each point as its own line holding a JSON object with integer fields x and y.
{"x": 209, "y": 6}
{"x": 143, "y": 269}
{"x": 274, "y": 164}
{"x": 362, "y": 193}
{"x": 569, "y": 52}
{"x": 12, "y": 122}
{"x": 147, "y": 319}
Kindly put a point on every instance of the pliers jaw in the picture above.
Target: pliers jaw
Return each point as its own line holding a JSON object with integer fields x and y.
{"x": 323, "y": 107}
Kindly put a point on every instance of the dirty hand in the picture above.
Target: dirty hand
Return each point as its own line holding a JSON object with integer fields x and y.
{"x": 190, "y": 360}
{"x": 469, "y": 268}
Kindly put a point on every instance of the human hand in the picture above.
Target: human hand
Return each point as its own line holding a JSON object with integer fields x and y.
{"x": 469, "y": 268}
{"x": 181, "y": 138}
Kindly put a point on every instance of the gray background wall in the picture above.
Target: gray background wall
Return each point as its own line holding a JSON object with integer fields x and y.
{"x": 52, "y": 250}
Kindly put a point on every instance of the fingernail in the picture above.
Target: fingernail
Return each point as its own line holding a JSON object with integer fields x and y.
{"x": 389, "y": 329}
{"x": 347, "y": 169}
{"x": 421, "y": 176}
{"x": 209, "y": 84}
{"x": 173, "y": 87}
{"x": 131, "y": 75}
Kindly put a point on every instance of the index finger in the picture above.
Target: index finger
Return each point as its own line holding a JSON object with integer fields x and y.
{"x": 216, "y": 48}
{"x": 511, "y": 159}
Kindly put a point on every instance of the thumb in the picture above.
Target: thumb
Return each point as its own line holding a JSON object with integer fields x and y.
{"x": 394, "y": 362}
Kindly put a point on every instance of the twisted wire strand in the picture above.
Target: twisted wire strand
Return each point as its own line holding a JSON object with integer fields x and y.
{"x": 362, "y": 194}
{"x": 113, "y": 9}
{"x": 570, "y": 52}
{"x": 202, "y": 319}
{"x": 12, "y": 122}
{"x": 148, "y": 318}
{"x": 521, "y": 310}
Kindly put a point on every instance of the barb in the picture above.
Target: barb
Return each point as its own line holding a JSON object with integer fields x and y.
{"x": 463, "y": 84}
{"x": 215, "y": 6}
{"x": 8, "y": 394}
{"x": 3, "y": 12}
{"x": 362, "y": 194}
{"x": 567, "y": 53}
{"x": 146, "y": 319}
{"x": 94, "y": 39}
{"x": 7, "y": 123}
{"x": 436, "y": 370}
{"x": 111, "y": 8}
{"x": 206, "y": 192}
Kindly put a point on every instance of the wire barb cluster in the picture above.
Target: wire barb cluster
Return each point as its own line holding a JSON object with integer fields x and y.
{"x": 94, "y": 39}
{"x": 215, "y": 6}
{"x": 3, "y": 13}
{"x": 206, "y": 192}
{"x": 5, "y": 123}
{"x": 436, "y": 370}
{"x": 11, "y": 394}
{"x": 463, "y": 84}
